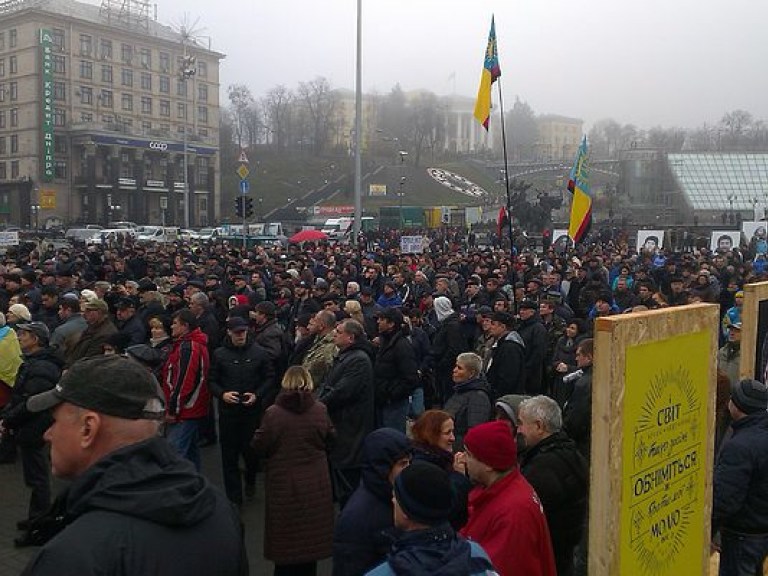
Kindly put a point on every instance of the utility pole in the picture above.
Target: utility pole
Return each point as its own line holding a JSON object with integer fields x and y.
{"x": 188, "y": 69}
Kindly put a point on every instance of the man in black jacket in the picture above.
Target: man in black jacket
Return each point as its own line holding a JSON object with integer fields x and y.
{"x": 740, "y": 485}
{"x": 133, "y": 506}
{"x": 558, "y": 472}
{"x": 39, "y": 372}
{"x": 395, "y": 370}
{"x": 577, "y": 411}
{"x": 241, "y": 376}
{"x": 505, "y": 371}
{"x": 129, "y": 323}
{"x": 534, "y": 334}
{"x": 348, "y": 394}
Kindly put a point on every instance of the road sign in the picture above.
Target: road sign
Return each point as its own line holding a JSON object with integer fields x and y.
{"x": 9, "y": 238}
{"x": 243, "y": 158}
{"x": 243, "y": 171}
{"x": 244, "y": 187}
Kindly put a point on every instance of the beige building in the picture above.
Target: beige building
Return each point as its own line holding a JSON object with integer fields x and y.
{"x": 559, "y": 137}
{"x": 94, "y": 114}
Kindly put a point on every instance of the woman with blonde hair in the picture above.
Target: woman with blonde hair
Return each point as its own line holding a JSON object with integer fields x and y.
{"x": 355, "y": 311}
{"x": 294, "y": 438}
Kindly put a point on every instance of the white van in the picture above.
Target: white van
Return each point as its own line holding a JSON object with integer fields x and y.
{"x": 158, "y": 234}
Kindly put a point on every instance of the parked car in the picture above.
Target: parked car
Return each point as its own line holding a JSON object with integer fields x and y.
{"x": 158, "y": 234}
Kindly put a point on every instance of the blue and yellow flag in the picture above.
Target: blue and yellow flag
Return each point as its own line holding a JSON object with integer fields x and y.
{"x": 581, "y": 203}
{"x": 491, "y": 71}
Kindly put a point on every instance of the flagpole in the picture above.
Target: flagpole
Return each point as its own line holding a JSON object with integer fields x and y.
{"x": 506, "y": 173}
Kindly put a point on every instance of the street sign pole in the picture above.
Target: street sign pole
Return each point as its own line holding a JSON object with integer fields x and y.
{"x": 243, "y": 172}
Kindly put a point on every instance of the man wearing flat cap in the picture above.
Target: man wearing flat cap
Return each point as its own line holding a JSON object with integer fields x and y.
{"x": 133, "y": 505}
{"x": 505, "y": 515}
{"x": 740, "y": 485}
{"x": 100, "y": 327}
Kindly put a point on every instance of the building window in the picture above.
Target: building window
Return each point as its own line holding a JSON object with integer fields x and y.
{"x": 202, "y": 114}
{"x": 165, "y": 107}
{"x": 202, "y": 92}
{"x": 13, "y": 65}
{"x": 86, "y": 45}
{"x": 126, "y": 53}
{"x": 146, "y": 58}
{"x": 165, "y": 62}
{"x": 146, "y": 105}
{"x": 14, "y": 91}
{"x": 146, "y": 81}
{"x": 202, "y": 169}
{"x": 59, "y": 64}
{"x": 146, "y": 126}
{"x": 14, "y": 169}
{"x": 59, "y": 91}
{"x": 86, "y": 95}
{"x": 13, "y": 38}
{"x": 14, "y": 117}
{"x": 86, "y": 69}
{"x": 165, "y": 128}
{"x": 106, "y": 73}
{"x": 3, "y": 173}
{"x": 14, "y": 143}
{"x": 127, "y": 102}
{"x": 126, "y": 77}
{"x": 181, "y": 88}
{"x": 2, "y": 66}
{"x": 106, "y": 49}
{"x": 165, "y": 85}
{"x": 58, "y": 39}
{"x": 3, "y": 92}
{"x": 59, "y": 145}
{"x": 202, "y": 69}
{"x": 2, "y": 40}
{"x": 60, "y": 169}
{"x": 3, "y": 149}
{"x": 202, "y": 132}
{"x": 181, "y": 110}
{"x": 2, "y": 118}
{"x": 86, "y": 116}
{"x": 59, "y": 117}
{"x": 107, "y": 99}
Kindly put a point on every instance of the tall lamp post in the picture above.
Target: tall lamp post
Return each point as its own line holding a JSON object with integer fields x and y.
{"x": 401, "y": 190}
{"x": 187, "y": 71}
{"x": 358, "y": 221}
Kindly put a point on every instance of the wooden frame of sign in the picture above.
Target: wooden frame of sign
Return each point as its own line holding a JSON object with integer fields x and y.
{"x": 755, "y": 298}
{"x": 653, "y": 405}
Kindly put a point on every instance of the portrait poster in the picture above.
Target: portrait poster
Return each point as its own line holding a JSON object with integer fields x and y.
{"x": 560, "y": 240}
{"x": 750, "y": 229}
{"x": 724, "y": 240}
{"x": 650, "y": 240}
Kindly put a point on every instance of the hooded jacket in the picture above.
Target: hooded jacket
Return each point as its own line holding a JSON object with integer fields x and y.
{"x": 143, "y": 510}
{"x": 359, "y": 542}
{"x": 185, "y": 377}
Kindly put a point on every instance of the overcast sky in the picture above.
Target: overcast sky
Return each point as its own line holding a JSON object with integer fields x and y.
{"x": 654, "y": 62}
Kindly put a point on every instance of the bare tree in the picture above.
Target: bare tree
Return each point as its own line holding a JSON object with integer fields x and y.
{"x": 426, "y": 121}
{"x": 241, "y": 99}
{"x": 277, "y": 111}
{"x": 320, "y": 102}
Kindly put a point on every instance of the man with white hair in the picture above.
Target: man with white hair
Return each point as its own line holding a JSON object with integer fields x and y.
{"x": 132, "y": 504}
{"x": 558, "y": 472}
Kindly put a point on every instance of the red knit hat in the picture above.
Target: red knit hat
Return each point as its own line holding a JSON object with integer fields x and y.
{"x": 493, "y": 444}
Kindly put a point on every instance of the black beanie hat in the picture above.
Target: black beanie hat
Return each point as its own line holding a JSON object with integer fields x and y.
{"x": 423, "y": 491}
{"x": 749, "y": 396}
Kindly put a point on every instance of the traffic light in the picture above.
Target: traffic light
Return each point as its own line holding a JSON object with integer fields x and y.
{"x": 239, "y": 206}
{"x": 248, "y": 207}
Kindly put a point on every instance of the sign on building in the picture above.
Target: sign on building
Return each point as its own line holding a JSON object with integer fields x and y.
{"x": 46, "y": 57}
{"x": 377, "y": 190}
{"x": 48, "y": 199}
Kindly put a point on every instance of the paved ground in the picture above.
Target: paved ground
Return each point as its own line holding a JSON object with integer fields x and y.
{"x": 13, "y": 505}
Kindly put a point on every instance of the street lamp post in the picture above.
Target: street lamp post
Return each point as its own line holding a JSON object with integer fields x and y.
{"x": 186, "y": 72}
{"x": 401, "y": 191}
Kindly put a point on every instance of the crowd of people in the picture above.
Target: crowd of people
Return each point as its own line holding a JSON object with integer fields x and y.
{"x": 459, "y": 380}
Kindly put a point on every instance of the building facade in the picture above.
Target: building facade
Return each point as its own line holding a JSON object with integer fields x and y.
{"x": 559, "y": 137}
{"x": 96, "y": 115}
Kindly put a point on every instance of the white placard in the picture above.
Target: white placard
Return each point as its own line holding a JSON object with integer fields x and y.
{"x": 411, "y": 244}
{"x": 9, "y": 238}
{"x": 724, "y": 240}
{"x": 650, "y": 240}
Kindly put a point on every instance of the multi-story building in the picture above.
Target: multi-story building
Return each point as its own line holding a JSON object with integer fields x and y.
{"x": 559, "y": 137}
{"x": 98, "y": 105}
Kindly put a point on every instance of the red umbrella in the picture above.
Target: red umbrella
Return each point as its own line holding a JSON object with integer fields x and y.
{"x": 308, "y": 236}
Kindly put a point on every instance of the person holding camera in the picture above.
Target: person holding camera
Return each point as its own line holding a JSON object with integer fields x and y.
{"x": 241, "y": 376}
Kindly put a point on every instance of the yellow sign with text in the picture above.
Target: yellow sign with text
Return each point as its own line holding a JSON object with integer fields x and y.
{"x": 664, "y": 455}
{"x": 48, "y": 199}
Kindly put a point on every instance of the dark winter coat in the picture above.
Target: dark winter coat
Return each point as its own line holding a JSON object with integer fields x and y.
{"x": 506, "y": 371}
{"x": 294, "y": 437}
{"x": 469, "y": 406}
{"x": 348, "y": 394}
{"x": 560, "y": 475}
{"x": 243, "y": 369}
{"x": 395, "y": 372}
{"x": 359, "y": 542}
{"x": 134, "y": 330}
{"x": 460, "y": 483}
{"x": 534, "y": 334}
{"x": 577, "y": 412}
{"x": 271, "y": 337}
{"x": 39, "y": 372}
{"x": 91, "y": 342}
{"x": 143, "y": 510}
{"x": 447, "y": 343}
{"x": 740, "y": 487}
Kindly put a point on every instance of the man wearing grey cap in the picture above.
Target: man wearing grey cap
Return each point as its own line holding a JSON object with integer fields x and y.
{"x": 39, "y": 371}
{"x": 740, "y": 485}
{"x": 133, "y": 505}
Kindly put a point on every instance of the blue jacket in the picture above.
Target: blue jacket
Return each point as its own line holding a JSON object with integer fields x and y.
{"x": 359, "y": 542}
{"x": 740, "y": 487}
{"x": 392, "y": 302}
{"x": 437, "y": 551}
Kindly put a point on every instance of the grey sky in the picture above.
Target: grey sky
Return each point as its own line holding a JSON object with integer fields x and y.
{"x": 667, "y": 62}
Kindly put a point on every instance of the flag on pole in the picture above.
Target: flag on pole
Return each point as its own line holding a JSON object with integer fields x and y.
{"x": 491, "y": 71}
{"x": 581, "y": 203}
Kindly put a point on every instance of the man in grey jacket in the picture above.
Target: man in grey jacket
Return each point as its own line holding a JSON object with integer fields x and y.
{"x": 66, "y": 335}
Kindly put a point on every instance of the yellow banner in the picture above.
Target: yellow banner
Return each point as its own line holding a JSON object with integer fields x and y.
{"x": 664, "y": 458}
{"x": 48, "y": 199}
